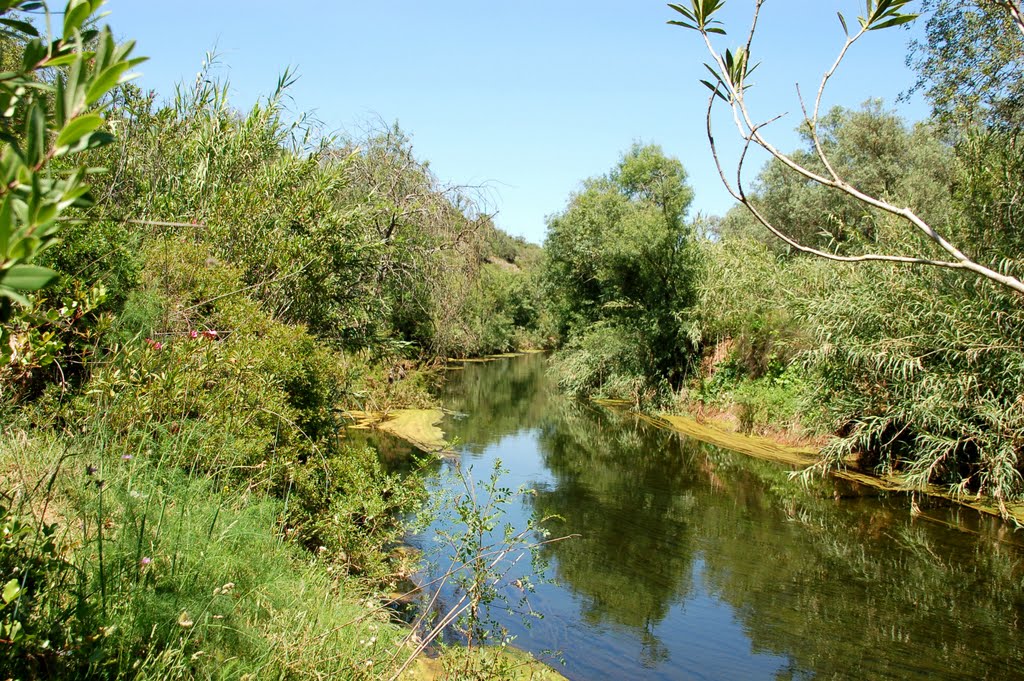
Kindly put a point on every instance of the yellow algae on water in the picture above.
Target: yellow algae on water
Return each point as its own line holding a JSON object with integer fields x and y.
{"x": 757, "y": 447}
{"x": 801, "y": 457}
{"x": 418, "y": 427}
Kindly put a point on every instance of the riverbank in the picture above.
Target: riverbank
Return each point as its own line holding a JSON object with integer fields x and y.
{"x": 177, "y": 555}
{"x": 802, "y": 452}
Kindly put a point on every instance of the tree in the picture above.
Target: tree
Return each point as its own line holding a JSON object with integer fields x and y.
{"x": 620, "y": 258}
{"x": 878, "y": 153}
{"x": 730, "y": 72}
{"x": 971, "y": 64}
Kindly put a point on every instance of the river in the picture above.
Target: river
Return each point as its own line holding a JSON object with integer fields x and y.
{"x": 694, "y": 562}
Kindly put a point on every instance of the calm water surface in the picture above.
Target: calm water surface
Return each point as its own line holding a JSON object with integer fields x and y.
{"x": 694, "y": 562}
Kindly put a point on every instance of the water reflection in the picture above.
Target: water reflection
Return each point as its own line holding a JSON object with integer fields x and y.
{"x": 695, "y": 562}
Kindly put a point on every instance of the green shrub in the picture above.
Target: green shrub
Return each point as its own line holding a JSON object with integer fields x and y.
{"x": 607, "y": 361}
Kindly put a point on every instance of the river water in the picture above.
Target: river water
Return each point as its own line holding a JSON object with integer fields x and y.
{"x": 694, "y": 562}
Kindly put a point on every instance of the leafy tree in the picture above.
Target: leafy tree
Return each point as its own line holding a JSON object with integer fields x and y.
{"x": 877, "y": 152}
{"x": 970, "y": 63}
{"x": 620, "y": 256}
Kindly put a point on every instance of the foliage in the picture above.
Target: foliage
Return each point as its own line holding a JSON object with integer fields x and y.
{"x": 730, "y": 72}
{"x": 917, "y": 372}
{"x": 969, "y": 65}
{"x": 51, "y": 103}
{"x": 34, "y": 576}
{"x": 478, "y": 556}
{"x": 50, "y": 345}
{"x": 922, "y": 374}
{"x": 875, "y": 151}
{"x": 149, "y": 573}
{"x": 621, "y": 257}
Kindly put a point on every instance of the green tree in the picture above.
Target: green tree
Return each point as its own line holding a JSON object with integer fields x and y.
{"x": 877, "y": 152}
{"x": 731, "y": 68}
{"x": 970, "y": 64}
{"x": 620, "y": 258}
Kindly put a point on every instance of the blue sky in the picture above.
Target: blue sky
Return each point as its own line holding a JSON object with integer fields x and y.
{"x": 528, "y": 97}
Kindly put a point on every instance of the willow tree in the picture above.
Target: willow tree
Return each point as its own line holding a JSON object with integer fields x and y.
{"x": 730, "y": 84}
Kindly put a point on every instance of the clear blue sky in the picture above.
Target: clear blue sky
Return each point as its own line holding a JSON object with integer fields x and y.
{"x": 528, "y": 97}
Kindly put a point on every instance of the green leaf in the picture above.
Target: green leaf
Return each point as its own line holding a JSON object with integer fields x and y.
{"x": 6, "y": 227}
{"x": 105, "y": 82}
{"x": 717, "y": 90}
{"x": 683, "y": 10}
{"x": 35, "y": 135}
{"x": 842, "y": 20}
{"x": 21, "y": 26}
{"x": 75, "y": 15}
{"x": 27, "y": 277}
{"x": 6, "y": 296}
{"x": 895, "y": 21}
{"x": 62, "y": 60}
{"x": 12, "y": 590}
{"x": 78, "y": 128}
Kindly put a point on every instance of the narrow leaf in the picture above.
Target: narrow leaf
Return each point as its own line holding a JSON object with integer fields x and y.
{"x": 105, "y": 82}
{"x": 896, "y": 21}
{"x": 78, "y": 128}
{"x": 21, "y": 26}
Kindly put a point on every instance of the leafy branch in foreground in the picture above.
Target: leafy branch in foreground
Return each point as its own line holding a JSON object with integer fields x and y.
{"x": 482, "y": 549}
{"x": 731, "y": 70}
{"x": 51, "y": 101}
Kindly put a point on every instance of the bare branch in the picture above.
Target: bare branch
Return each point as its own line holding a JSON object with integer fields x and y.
{"x": 750, "y": 132}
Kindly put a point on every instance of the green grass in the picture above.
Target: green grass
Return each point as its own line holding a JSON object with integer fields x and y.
{"x": 158, "y": 575}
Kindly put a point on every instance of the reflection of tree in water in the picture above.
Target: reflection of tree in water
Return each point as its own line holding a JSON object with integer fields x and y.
{"x": 495, "y": 399}
{"x": 617, "y": 488}
{"x": 855, "y": 588}
{"x": 844, "y": 586}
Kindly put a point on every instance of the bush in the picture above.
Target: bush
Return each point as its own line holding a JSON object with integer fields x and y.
{"x": 607, "y": 361}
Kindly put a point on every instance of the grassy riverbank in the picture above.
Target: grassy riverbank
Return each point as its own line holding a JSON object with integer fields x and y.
{"x": 178, "y": 495}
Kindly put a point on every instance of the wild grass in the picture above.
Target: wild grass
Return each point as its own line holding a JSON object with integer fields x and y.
{"x": 158, "y": 574}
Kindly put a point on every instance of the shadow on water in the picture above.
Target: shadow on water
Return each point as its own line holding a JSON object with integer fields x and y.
{"x": 696, "y": 562}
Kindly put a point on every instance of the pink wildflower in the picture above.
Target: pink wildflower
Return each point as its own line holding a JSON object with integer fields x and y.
{"x": 193, "y": 334}
{"x": 211, "y": 334}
